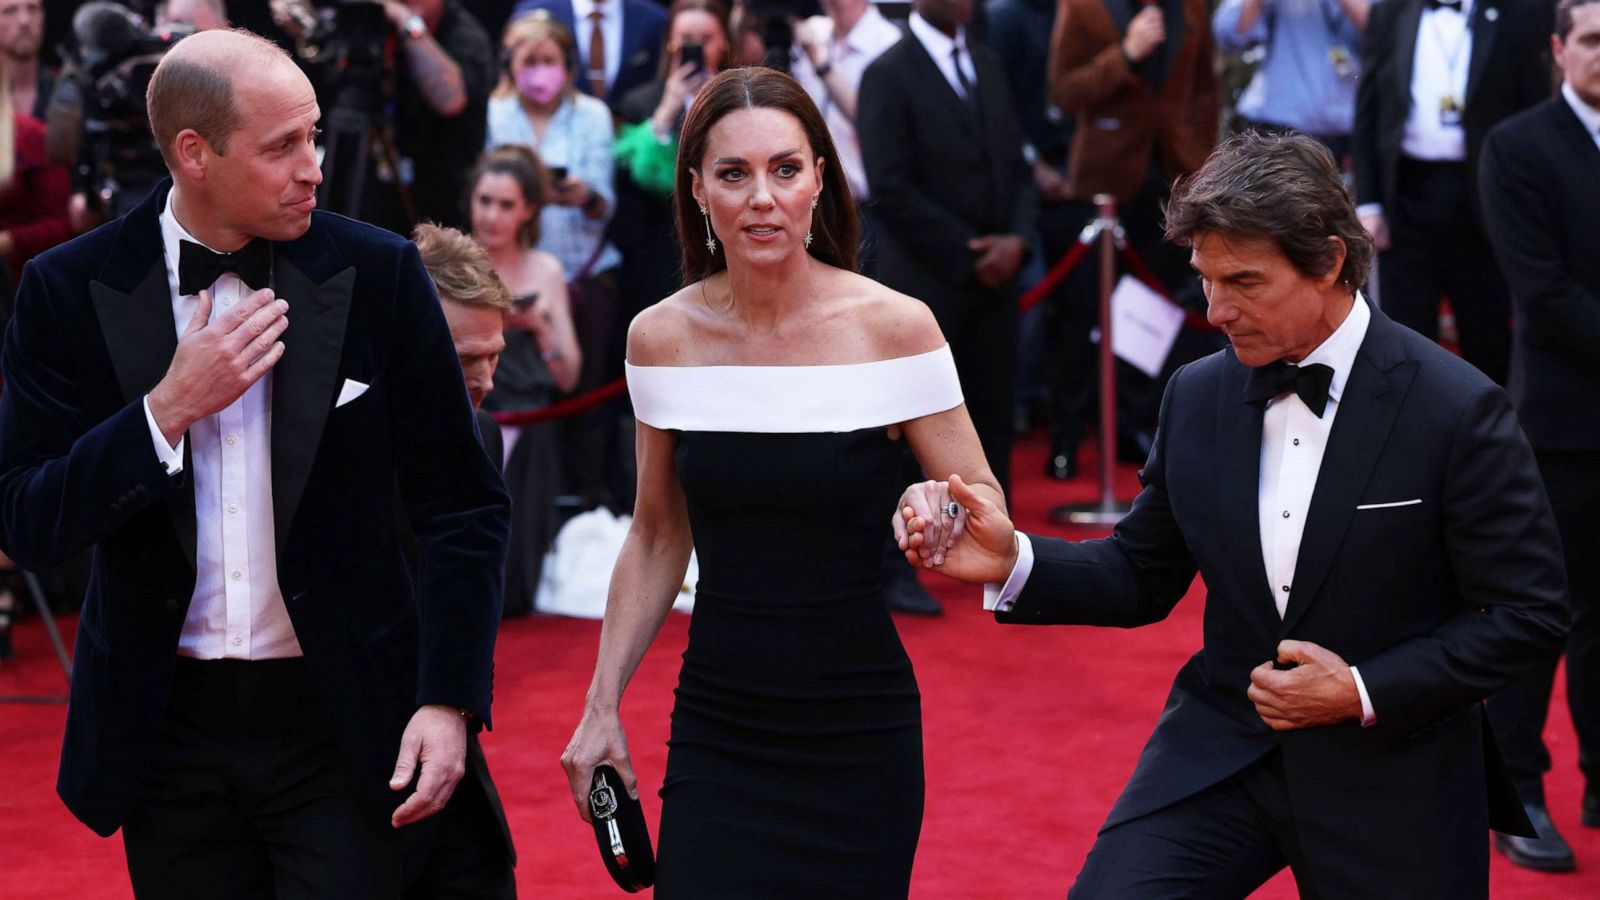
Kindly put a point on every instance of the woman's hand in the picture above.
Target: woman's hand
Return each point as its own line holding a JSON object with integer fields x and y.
{"x": 599, "y": 739}
{"x": 682, "y": 82}
{"x": 571, "y": 191}
{"x": 987, "y": 550}
{"x": 927, "y": 503}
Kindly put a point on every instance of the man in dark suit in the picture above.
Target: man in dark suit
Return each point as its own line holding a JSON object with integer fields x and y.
{"x": 466, "y": 850}
{"x": 619, "y": 41}
{"x": 954, "y": 200}
{"x": 1436, "y": 76}
{"x": 1139, "y": 78}
{"x": 1378, "y": 552}
{"x": 258, "y": 683}
{"x": 1540, "y": 184}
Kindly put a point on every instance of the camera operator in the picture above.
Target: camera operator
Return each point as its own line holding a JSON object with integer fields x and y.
{"x": 437, "y": 111}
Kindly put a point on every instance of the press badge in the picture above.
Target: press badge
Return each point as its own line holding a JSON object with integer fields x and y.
{"x": 1450, "y": 111}
{"x": 1344, "y": 63}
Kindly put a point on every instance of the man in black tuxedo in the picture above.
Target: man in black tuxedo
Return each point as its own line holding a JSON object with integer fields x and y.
{"x": 1436, "y": 76}
{"x": 1378, "y": 552}
{"x": 258, "y": 684}
{"x": 954, "y": 199}
{"x": 1540, "y": 183}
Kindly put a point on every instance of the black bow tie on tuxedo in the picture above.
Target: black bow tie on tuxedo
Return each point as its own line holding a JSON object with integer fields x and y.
{"x": 1310, "y": 382}
{"x": 1452, "y": 5}
{"x": 199, "y": 268}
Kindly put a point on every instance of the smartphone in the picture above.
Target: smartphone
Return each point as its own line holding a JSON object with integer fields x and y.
{"x": 558, "y": 174}
{"x": 693, "y": 53}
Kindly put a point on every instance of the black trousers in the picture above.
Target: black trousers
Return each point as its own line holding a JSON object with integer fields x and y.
{"x": 1518, "y": 713}
{"x": 463, "y": 852}
{"x": 246, "y": 796}
{"x": 1437, "y": 249}
{"x": 1219, "y": 844}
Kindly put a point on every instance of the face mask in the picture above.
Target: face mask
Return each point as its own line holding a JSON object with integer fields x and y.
{"x": 541, "y": 83}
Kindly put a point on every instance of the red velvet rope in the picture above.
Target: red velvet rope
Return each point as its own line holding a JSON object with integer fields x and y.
{"x": 565, "y": 409}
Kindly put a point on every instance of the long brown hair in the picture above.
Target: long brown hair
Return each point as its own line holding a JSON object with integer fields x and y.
{"x": 525, "y": 168}
{"x": 833, "y": 224}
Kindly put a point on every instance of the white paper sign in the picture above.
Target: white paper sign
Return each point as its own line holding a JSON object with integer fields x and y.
{"x": 1144, "y": 325}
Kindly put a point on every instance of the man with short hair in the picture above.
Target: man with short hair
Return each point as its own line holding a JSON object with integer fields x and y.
{"x": 21, "y": 32}
{"x": 259, "y": 683}
{"x": 466, "y": 850}
{"x": 1540, "y": 184}
{"x": 1378, "y": 555}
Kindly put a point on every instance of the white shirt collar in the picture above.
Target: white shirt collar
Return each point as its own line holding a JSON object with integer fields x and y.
{"x": 937, "y": 43}
{"x": 172, "y": 232}
{"x": 1340, "y": 349}
{"x": 1588, "y": 115}
{"x": 582, "y": 8}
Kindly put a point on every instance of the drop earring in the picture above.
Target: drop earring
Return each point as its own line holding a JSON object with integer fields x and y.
{"x": 711, "y": 240}
{"x": 808, "y": 238}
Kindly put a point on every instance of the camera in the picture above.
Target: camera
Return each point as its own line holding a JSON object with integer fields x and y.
{"x": 774, "y": 22}
{"x": 114, "y": 54}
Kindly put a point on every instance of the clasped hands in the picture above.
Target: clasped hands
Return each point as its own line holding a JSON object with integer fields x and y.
{"x": 978, "y": 546}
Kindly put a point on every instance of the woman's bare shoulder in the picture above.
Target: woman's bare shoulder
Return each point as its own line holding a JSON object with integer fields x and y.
{"x": 663, "y": 333}
{"x": 899, "y": 325}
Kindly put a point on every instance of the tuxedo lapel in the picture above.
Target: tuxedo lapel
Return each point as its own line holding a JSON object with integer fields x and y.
{"x": 1582, "y": 154}
{"x": 933, "y": 76}
{"x": 141, "y": 339}
{"x": 1238, "y": 442}
{"x": 1484, "y": 17}
{"x": 1367, "y": 410}
{"x": 304, "y": 380}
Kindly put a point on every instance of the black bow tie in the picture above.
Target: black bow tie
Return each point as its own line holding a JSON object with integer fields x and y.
{"x": 1452, "y": 5}
{"x": 1310, "y": 382}
{"x": 199, "y": 268}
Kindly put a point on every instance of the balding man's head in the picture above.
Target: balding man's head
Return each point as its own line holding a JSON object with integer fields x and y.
{"x": 193, "y": 86}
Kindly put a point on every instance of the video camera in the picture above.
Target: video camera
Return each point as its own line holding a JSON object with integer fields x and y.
{"x": 774, "y": 21}
{"x": 114, "y": 53}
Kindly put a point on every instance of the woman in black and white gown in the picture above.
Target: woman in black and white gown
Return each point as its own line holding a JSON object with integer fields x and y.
{"x": 772, "y": 394}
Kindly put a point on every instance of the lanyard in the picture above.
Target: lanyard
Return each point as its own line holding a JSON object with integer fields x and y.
{"x": 1452, "y": 55}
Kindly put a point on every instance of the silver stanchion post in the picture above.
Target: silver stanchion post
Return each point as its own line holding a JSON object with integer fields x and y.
{"x": 1107, "y": 511}
{"x": 43, "y": 607}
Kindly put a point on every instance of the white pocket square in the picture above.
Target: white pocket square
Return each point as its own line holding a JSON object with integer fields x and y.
{"x": 351, "y": 390}
{"x": 1416, "y": 502}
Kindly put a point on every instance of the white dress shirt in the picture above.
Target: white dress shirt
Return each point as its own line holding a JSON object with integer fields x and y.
{"x": 849, "y": 56}
{"x": 1588, "y": 115}
{"x": 237, "y": 610}
{"x": 1293, "y": 440}
{"x": 610, "y": 31}
{"x": 1443, "y": 53}
{"x": 944, "y": 49}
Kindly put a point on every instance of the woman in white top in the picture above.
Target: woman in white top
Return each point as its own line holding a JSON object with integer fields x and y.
{"x": 772, "y": 395}
{"x": 537, "y": 104}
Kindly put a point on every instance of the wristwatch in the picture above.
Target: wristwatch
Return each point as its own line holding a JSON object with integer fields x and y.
{"x": 414, "y": 27}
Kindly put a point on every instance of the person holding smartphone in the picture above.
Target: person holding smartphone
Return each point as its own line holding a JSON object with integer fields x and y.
{"x": 696, "y": 49}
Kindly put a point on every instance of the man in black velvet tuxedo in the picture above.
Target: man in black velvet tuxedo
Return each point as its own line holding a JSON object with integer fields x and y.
{"x": 1540, "y": 184}
{"x": 235, "y": 403}
{"x": 1378, "y": 553}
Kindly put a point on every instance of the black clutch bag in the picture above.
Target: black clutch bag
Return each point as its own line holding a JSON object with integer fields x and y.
{"x": 620, "y": 831}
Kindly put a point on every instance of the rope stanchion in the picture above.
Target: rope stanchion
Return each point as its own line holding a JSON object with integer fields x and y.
{"x": 566, "y": 409}
{"x": 1057, "y": 274}
{"x": 1142, "y": 271}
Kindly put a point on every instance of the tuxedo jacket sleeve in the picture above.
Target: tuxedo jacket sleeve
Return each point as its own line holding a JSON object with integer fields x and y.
{"x": 63, "y": 487}
{"x": 1366, "y": 142}
{"x": 1135, "y": 577}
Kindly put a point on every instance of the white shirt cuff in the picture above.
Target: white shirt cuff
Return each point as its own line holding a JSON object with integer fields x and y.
{"x": 171, "y": 458}
{"x": 1368, "y": 717}
{"x": 1369, "y": 209}
{"x": 1000, "y": 598}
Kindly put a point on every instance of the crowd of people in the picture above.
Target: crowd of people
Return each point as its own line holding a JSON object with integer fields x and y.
{"x": 533, "y": 151}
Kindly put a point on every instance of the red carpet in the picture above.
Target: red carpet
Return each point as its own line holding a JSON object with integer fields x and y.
{"x": 1012, "y": 715}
